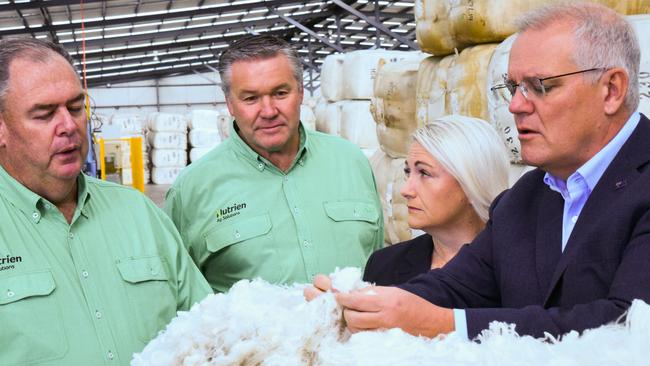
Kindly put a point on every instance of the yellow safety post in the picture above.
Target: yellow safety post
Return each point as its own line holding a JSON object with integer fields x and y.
{"x": 102, "y": 161}
{"x": 137, "y": 163}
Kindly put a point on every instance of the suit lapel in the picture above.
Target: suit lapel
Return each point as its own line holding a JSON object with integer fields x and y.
{"x": 417, "y": 259}
{"x": 622, "y": 171}
{"x": 548, "y": 241}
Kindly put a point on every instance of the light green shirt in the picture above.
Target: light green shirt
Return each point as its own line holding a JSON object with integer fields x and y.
{"x": 92, "y": 292}
{"x": 241, "y": 217}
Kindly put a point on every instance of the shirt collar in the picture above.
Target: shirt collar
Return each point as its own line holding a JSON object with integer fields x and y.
{"x": 259, "y": 162}
{"x": 593, "y": 169}
{"x": 28, "y": 201}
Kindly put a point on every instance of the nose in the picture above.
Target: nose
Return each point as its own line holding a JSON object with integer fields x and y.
{"x": 268, "y": 108}
{"x": 407, "y": 191}
{"x": 66, "y": 124}
{"x": 519, "y": 103}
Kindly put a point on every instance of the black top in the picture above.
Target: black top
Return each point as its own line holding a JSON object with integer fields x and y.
{"x": 400, "y": 262}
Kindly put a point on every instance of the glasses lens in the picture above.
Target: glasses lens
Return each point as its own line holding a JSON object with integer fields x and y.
{"x": 535, "y": 85}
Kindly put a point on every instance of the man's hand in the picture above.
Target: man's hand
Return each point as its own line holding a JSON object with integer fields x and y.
{"x": 391, "y": 307}
{"x": 321, "y": 285}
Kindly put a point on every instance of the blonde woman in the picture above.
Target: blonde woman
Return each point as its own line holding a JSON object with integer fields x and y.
{"x": 455, "y": 167}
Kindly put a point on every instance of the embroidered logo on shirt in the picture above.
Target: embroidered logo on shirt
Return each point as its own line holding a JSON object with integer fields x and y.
{"x": 228, "y": 212}
{"x": 6, "y": 262}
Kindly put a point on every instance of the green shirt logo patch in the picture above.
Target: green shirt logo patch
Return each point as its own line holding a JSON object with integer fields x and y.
{"x": 228, "y": 212}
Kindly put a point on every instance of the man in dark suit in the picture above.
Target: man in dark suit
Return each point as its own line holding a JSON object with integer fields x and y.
{"x": 567, "y": 248}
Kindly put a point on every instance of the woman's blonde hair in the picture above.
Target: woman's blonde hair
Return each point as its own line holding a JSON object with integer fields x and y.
{"x": 472, "y": 152}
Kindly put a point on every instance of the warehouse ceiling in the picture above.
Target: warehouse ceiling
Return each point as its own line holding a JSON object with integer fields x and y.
{"x": 148, "y": 39}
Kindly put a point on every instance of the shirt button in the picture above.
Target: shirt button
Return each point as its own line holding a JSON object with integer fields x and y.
{"x": 84, "y": 274}
{"x": 260, "y": 165}
{"x": 71, "y": 235}
{"x": 574, "y": 219}
{"x": 356, "y": 214}
{"x": 36, "y": 215}
{"x": 110, "y": 355}
{"x": 305, "y": 243}
{"x": 48, "y": 206}
{"x": 286, "y": 179}
{"x": 10, "y": 293}
{"x": 98, "y": 315}
{"x": 295, "y": 209}
{"x": 237, "y": 234}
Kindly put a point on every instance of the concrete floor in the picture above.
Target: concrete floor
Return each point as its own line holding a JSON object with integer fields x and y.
{"x": 156, "y": 192}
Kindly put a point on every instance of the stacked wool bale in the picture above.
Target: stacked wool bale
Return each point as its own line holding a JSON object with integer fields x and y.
{"x": 167, "y": 136}
{"x": 347, "y": 87}
{"x": 204, "y": 132}
{"x": 224, "y": 119}
{"x": 126, "y": 126}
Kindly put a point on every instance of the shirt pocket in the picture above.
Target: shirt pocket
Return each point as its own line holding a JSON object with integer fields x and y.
{"x": 148, "y": 288}
{"x": 225, "y": 235}
{"x": 354, "y": 229}
{"x": 351, "y": 211}
{"x": 30, "y": 316}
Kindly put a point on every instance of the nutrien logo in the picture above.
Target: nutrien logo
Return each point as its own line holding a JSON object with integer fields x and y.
{"x": 6, "y": 262}
{"x": 228, "y": 212}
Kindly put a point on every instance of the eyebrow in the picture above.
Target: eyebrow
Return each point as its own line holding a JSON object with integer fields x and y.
{"x": 420, "y": 162}
{"x": 47, "y": 107}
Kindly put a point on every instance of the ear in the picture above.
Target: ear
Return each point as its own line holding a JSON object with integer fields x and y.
{"x": 614, "y": 90}
{"x": 3, "y": 130}
{"x": 229, "y": 105}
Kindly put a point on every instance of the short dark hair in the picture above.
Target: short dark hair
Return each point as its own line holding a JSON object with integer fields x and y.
{"x": 33, "y": 49}
{"x": 255, "y": 47}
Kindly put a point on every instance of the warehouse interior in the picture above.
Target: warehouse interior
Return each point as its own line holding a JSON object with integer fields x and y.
{"x": 150, "y": 70}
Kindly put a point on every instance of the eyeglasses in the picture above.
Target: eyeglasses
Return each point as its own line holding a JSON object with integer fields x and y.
{"x": 532, "y": 84}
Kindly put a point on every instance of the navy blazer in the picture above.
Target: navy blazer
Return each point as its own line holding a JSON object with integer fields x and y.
{"x": 515, "y": 270}
{"x": 400, "y": 262}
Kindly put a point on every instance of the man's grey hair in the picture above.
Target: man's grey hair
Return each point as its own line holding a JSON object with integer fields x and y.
{"x": 603, "y": 39}
{"x": 257, "y": 47}
{"x": 33, "y": 49}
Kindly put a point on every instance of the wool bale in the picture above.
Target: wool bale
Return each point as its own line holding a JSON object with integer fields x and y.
{"x": 169, "y": 157}
{"x": 360, "y": 67}
{"x": 431, "y": 89}
{"x": 393, "y": 105}
{"x": 331, "y": 77}
{"x": 203, "y": 119}
{"x": 443, "y": 26}
{"x": 307, "y": 117}
{"x": 467, "y": 80}
{"x": 166, "y": 122}
{"x": 167, "y": 140}
{"x": 165, "y": 175}
{"x": 199, "y": 137}
{"x": 357, "y": 124}
{"x": 389, "y": 175}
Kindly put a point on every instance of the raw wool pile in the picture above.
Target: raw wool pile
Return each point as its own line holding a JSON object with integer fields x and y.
{"x": 617, "y": 344}
{"x": 261, "y": 324}
{"x": 255, "y": 323}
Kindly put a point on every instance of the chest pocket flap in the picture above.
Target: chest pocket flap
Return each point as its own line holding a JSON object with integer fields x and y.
{"x": 26, "y": 285}
{"x": 351, "y": 211}
{"x": 227, "y": 234}
{"x": 142, "y": 269}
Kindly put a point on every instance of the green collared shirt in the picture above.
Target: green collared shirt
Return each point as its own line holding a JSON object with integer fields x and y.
{"x": 242, "y": 217}
{"x": 92, "y": 292}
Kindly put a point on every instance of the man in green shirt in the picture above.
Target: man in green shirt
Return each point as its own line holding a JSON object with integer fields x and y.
{"x": 89, "y": 271}
{"x": 275, "y": 200}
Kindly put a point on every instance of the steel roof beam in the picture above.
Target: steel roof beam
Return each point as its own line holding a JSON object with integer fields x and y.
{"x": 151, "y": 17}
{"x": 307, "y": 30}
{"x": 39, "y": 4}
{"x": 376, "y": 24}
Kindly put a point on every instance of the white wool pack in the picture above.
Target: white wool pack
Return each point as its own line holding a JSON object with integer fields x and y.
{"x": 257, "y": 323}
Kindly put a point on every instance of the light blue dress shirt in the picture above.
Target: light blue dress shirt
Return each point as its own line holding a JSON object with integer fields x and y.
{"x": 575, "y": 192}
